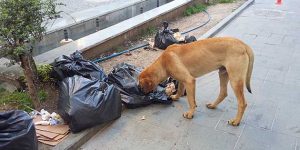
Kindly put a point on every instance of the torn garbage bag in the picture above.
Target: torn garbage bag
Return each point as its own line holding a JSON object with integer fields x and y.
{"x": 84, "y": 103}
{"x": 124, "y": 76}
{"x": 65, "y": 66}
{"x": 17, "y": 131}
{"x": 165, "y": 37}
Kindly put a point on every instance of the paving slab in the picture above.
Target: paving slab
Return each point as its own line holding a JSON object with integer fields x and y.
{"x": 271, "y": 120}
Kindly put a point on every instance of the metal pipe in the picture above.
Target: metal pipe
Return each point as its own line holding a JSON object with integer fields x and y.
{"x": 197, "y": 27}
{"x": 120, "y": 53}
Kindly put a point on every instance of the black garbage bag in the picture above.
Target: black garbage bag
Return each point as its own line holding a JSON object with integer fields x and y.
{"x": 84, "y": 103}
{"x": 65, "y": 66}
{"x": 189, "y": 39}
{"x": 164, "y": 38}
{"x": 124, "y": 76}
{"x": 17, "y": 131}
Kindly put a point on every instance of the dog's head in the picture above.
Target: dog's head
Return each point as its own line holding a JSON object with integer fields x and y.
{"x": 146, "y": 84}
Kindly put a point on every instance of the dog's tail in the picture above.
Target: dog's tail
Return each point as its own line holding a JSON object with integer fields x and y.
{"x": 250, "y": 67}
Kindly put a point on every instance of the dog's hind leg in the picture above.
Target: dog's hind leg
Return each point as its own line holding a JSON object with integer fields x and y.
{"x": 238, "y": 88}
{"x": 223, "y": 75}
{"x": 180, "y": 91}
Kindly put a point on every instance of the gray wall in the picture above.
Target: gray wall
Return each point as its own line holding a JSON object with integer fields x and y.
{"x": 51, "y": 40}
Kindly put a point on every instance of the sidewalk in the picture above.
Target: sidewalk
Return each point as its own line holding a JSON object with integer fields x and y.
{"x": 271, "y": 120}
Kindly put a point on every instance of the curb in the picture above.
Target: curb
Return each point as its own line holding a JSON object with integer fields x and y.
{"x": 217, "y": 28}
{"x": 74, "y": 141}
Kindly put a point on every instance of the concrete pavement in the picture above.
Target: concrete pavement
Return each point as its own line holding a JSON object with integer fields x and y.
{"x": 271, "y": 120}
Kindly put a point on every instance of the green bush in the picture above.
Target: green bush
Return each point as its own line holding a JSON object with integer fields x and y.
{"x": 194, "y": 9}
{"x": 44, "y": 72}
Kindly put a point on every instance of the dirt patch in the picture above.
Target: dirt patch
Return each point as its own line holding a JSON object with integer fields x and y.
{"x": 50, "y": 103}
{"x": 143, "y": 58}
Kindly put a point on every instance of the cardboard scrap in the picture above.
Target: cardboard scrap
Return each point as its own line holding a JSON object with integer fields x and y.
{"x": 58, "y": 129}
{"x": 52, "y": 142}
{"x": 50, "y": 135}
{"x": 46, "y": 134}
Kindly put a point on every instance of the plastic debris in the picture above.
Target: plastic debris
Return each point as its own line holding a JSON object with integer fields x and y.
{"x": 170, "y": 89}
{"x": 44, "y": 123}
{"x": 143, "y": 118}
{"x": 47, "y": 118}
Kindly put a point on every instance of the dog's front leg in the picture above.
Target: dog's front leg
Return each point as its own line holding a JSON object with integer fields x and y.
{"x": 190, "y": 85}
{"x": 179, "y": 93}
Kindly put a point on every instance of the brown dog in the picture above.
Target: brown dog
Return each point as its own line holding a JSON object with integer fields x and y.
{"x": 233, "y": 58}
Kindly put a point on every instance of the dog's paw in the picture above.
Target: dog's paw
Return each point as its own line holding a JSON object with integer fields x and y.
{"x": 174, "y": 97}
{"x": 210, "y": 106}
{"x": 188, "y": 115}
{"x": 233, "y": 122}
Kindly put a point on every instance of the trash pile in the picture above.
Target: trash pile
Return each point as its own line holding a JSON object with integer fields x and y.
{"x": 124, "y": 77}
{"x": 85, "y": 99}
{"x": 50, "y": 128}
{"x": 167, "y": 37}
{"x": 89, "y": 97}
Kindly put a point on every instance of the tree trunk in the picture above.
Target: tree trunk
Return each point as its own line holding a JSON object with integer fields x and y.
{"x": 30, "y": 74}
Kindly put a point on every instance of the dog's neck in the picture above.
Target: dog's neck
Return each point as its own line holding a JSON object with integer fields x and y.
{"x": 158, "y": 73}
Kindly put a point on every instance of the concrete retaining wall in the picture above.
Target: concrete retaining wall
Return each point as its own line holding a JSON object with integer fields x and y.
{"x": 132, "y": 34}
{"x": 98, "y": 22}
{"x": 104, "y": 40}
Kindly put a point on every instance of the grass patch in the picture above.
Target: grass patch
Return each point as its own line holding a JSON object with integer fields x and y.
{"x": 194, "y": 9}
{"x": 214, "y": 2}
{"x": 226, "y": 1}
{"x": 20, "y": 100}
{"x": 149, "y": 31}
{"x": 42, "y": 94}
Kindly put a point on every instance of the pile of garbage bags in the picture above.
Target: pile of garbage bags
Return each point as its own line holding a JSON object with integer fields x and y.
{"x": 124, "y": 76}
{"x": 17, "y": 131}
{"x": 167, "y": 37}
{"x": 89, "y": 97}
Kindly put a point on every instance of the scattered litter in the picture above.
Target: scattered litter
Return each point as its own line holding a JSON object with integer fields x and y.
{"x": 128, "y": 54}
{"x": 44, "y": 123}
{"x": 143, "y": 118}
{"x": 47, "y": 118}
{"x": 170, "y": 89}
{"x": 45, "y": 115}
